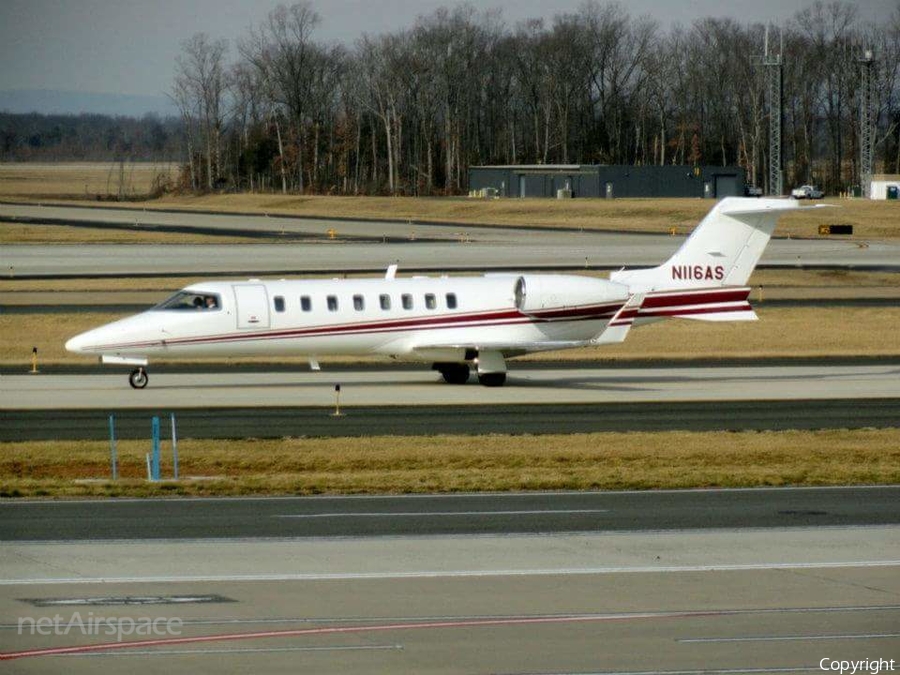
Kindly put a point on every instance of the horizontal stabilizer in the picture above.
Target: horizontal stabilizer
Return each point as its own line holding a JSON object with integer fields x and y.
{"x": 704, "y": 304}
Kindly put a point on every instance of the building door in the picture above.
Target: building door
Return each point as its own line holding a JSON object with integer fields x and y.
{"x": 726, "y": 186}
{"x": 252, "y": 304}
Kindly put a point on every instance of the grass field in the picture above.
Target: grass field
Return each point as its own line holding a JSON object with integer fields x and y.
{"x": 789, "y": 332}
{"x": 869, "y": 218}
{"x": 385, "y": 464}
{"x": 81, "y": 180}
{"x": 74, "y": 181}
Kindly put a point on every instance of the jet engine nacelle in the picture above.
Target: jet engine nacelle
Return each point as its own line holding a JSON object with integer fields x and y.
{"x": 541, "y": 292}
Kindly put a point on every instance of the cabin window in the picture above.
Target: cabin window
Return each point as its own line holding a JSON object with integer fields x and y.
{"x": 430, "y": 301}
{"x": 332, "y": 303}
{"x": 385, "y": 301}
{"x": 359, "y": 303}
{"x": 191, "y": 300}
{"x": 451, "y": 300}
{"x": 407, "y": 301}
{"x": 279, "y": 303}
{"x": 305, "y": 303}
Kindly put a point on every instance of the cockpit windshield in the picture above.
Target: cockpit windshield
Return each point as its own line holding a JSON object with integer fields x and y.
{"x": 191, "y": 300}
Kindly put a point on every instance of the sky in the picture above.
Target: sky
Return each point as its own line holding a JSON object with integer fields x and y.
{"x": 129, "y": 46}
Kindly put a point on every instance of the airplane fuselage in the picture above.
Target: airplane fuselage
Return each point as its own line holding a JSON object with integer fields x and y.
{"x": 422, "y": 318}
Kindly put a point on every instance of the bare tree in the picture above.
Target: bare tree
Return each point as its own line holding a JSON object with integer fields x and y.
{"x": 200, "y": 83}
{"x": 282, "y": 50}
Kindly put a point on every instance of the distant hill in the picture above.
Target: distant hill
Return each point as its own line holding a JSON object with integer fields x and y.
{"x": 56, "y": 102}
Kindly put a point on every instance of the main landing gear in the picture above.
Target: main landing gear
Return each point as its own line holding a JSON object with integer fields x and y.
{"x": 492, "y": 379}
{"x": 491, "y": 368}
{"x": 453, "y": 373}
{"x": 138, "y": 378}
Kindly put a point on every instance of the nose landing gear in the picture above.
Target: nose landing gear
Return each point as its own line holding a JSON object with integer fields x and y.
{"x": 138, "y": 378}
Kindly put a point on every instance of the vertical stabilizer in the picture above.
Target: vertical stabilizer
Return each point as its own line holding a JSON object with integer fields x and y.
{"x": 723, "y": 250}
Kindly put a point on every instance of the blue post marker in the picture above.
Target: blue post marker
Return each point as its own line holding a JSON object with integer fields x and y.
{"x": 112, "y": 447}
{"x": 154, "y": 460}
{"x": 174, "y": 447}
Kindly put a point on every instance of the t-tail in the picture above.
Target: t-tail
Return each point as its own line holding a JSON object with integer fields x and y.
{"x": 706, "y": 279}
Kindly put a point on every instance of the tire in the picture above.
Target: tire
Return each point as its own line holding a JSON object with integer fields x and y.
{"x": 492, "y": 379}
{"x": 456, "y": 373}
{"x": 138, "y": 378}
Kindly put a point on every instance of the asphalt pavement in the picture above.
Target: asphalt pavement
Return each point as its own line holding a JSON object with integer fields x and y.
{"x": 467, "y": 514}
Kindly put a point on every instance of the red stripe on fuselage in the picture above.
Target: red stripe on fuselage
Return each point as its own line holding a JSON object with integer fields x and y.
{"x": 468, "y": 320}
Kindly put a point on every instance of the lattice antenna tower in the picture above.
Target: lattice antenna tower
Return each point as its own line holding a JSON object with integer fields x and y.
{"x": 773, "y": 66}
{"x": 866, "y": 131}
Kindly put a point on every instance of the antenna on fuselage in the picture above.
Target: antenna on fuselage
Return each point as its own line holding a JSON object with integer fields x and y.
{"x": 391, "y": 271}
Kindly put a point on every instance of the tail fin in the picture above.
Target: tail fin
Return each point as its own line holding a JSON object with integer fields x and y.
{"x": 722, "y": 251}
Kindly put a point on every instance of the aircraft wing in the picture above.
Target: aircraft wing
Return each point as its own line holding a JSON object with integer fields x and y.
{"x": 616, "y": 331}
{"x": 506, "y": 348}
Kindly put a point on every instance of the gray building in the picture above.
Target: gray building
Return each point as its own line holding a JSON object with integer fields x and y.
{"x": 599, "y": 180}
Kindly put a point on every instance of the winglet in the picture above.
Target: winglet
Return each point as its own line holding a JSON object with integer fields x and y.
{"x": 391, "y": 272}
{"x": 618, "y": 327}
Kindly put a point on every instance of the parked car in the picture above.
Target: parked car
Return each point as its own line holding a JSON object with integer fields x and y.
{"x": 807, "y": 192}
{"x": 752, "y": 191}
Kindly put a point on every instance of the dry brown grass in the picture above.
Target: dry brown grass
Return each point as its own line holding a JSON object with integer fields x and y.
{"x": 79, "y": 180}
{"x": 794, "y": 278}
{"x": 781, "y": 331}
{"x": 85, "y": 180}
{"x": 794, "y": 332}
{"x": 869, "y": 218}
{"x": 463, "y": 463}
{"x": 161, "y": 284}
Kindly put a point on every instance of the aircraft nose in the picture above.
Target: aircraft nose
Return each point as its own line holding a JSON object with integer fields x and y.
{"x": 77, "y": 344}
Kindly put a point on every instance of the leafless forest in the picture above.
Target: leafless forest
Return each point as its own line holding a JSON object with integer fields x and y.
{"x": 407, "y": 112}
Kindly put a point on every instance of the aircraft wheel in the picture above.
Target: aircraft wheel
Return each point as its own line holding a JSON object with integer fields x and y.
{"x": 457, "y": 373}
{"x": 138, "y": 378}
{"x": 492, "y": 379}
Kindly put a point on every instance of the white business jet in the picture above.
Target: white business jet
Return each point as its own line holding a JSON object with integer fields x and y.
{"x": 453, "y": 322}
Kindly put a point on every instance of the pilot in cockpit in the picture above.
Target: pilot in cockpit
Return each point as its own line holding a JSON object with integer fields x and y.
{"x": 205, "y": 302}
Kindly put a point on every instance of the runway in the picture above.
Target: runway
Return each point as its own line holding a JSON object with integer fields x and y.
{"x": 403, "y": 386}
{"x": 406, "y": 401}
{"x": 361, "y": 421}
{"x": 468, "y": 514}
{"x": 372, "y": 246}
{"x": 756, "y": 586}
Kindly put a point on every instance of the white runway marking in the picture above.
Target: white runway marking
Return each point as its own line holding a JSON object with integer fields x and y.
{"x": 415, "y": 514}
{"x": 438, "y": 574}
{"x": 791, "y": 638}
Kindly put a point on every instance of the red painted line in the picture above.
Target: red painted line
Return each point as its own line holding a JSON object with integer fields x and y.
{"x": 334, "y": 630}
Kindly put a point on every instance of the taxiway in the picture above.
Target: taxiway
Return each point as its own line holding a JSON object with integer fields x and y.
{"x": 756, "y": 586}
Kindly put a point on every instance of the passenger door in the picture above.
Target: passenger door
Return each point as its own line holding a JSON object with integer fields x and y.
{"x": 252, "y": 303}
